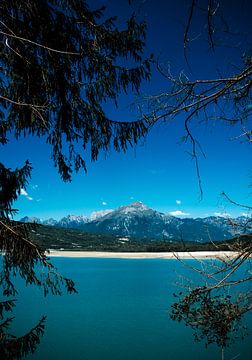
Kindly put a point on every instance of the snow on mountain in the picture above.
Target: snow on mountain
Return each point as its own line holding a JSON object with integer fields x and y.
{"x": 31, "y": 219}
{"x": 98, "y": 214}
{"x": 73, "y": 221}
{"x": 50, "y": 222}
{"x": 138, "y": 220}
{"x": 133, "y": 208}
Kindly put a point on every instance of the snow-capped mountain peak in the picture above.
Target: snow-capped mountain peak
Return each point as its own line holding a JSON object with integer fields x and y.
{"x": 31, "y": 219}
{"x": 98, "y": 214}
{"x": 138, "y": 220}
{"x": 138, "y": 204}
{"x": 134, "y": 207}
{"x": 73, "y": 221}
{"x": 78, "y": 218}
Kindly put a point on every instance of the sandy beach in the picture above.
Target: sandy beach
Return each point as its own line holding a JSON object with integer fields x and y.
{"x": 143, "y": 255}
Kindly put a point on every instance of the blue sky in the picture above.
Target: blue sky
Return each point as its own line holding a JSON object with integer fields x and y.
{"x": 159, "y": 171}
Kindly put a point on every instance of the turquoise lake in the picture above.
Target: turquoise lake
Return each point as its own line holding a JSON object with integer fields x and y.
{"x": 121, "y": 312}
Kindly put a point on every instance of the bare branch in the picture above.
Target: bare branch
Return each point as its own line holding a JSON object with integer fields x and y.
{"x": 39, "y": 45}
{"x": 234, "y": 202}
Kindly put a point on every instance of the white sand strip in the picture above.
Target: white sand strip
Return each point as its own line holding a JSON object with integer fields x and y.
{"x": 143, "y": 255}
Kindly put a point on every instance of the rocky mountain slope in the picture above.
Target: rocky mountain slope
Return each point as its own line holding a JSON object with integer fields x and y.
{"x": 139, "y": 221}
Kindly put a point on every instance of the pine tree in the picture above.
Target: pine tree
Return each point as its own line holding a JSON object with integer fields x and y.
{"x": 60, "y": 62}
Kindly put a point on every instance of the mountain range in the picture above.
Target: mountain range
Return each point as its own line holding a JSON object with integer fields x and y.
{"x": 138, "y": 220}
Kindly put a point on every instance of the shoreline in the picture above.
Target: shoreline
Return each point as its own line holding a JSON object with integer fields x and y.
{"x": 143, "y": 255}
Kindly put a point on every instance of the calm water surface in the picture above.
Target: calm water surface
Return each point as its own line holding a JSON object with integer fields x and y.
{"x": 120, "y": 313}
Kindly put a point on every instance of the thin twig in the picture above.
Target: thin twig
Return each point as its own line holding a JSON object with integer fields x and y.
{"x": 39, "y": 45}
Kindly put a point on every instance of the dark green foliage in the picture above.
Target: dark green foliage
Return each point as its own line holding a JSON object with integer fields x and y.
{"x": 6, "y": 306}
{"x": 12, "y": 347}
{"x": 59, "y": 63}
{"x": 21, "y": 256}
{"x": 214, "y": 310}
{"x": 56, "y": 238}
{"x": 214, "y": 318}
{"x": 11, "y": 183}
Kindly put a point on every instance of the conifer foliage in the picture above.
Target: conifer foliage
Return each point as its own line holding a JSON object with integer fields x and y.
{"x": 20, "y": 256}
{"x": 60, "y": 62}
